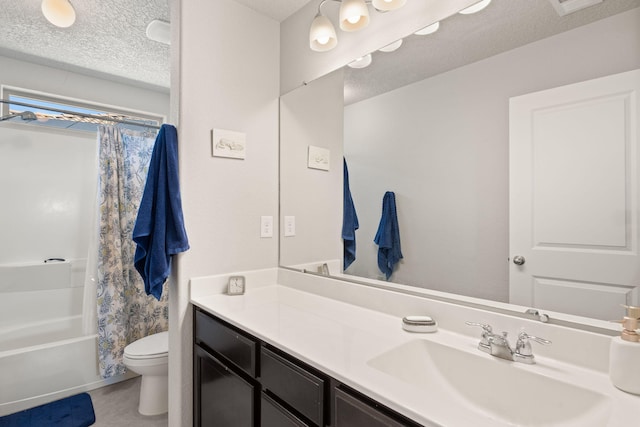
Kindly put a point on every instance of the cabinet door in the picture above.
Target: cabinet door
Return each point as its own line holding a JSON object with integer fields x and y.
{"x": 221, "y": 397}
{"x": 353, "y": 412}
{"x": 272, "y": 414}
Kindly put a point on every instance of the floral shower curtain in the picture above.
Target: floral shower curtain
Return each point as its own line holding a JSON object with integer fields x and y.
{"x": 125, "y": 312}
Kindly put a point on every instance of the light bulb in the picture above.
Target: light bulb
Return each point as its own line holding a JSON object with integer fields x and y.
{"x": 354, "y": 15}
{"x": 59, "y": 12}
{"x": 322, "y": 35}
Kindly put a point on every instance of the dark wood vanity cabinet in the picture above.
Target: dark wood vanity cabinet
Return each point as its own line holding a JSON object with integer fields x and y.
{"x": 222, "y": 398}
{"x": 240, "y": 381}
{"x": 225, "y": 365}
{"x": 273, "y": 414}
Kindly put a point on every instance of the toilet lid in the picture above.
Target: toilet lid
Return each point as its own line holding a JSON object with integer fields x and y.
{"x": 149, "y": 346}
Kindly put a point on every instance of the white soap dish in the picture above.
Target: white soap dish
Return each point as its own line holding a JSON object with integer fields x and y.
{"x": 419, "y": 324}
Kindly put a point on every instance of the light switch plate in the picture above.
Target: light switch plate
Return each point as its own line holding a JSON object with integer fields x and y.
{"x": 266, "y": 226}
{"x": 289, "y": 226}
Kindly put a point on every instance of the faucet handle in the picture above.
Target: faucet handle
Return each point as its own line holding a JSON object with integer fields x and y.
{"x": 484, "y": 326}
{"x": 525, "y": 336}
{"x": 487, "y": 330}
{"x": 523, "y": 346}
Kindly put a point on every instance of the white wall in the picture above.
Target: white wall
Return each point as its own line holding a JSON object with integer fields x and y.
{"x": 228, "y": 79}
{"x": 312, "y": 116}
{"x": 442, "y": 145}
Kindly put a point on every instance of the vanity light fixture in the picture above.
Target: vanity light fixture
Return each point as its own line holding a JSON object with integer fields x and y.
{"x": 429, "y": 29}
{"x": 386, "y": 5}
{"x": 391, "y": 46}
{"x": 353, "y": 16}
{"x": 475, "y": 7}
{"x": 362, "y": 62}
{"x": 59, "y": 12}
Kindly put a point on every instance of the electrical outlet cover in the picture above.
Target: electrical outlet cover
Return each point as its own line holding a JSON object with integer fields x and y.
{"x": 266, "y": 226}
{"x": 289, "y": 226}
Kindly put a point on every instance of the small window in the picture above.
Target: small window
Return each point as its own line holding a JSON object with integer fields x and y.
{"x": 50, "y": 111}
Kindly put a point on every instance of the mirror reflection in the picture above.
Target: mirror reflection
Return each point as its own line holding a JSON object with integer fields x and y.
{"x": 441, "y": 143}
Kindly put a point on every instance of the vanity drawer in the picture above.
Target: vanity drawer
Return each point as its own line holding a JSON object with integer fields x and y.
{"x": 353, "y": 409}
{"x": 233, "y": 345}
{"x": 295, "y": 385}
{"x": 272, "y": 414}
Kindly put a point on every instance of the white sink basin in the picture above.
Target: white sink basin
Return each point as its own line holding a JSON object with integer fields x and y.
{"x": 495, "y": 388}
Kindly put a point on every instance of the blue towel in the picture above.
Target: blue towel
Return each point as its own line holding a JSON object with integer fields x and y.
{"x": 159, "y": 230}
{"x": 388, "y": 236}
{"x": 349, "y": 221}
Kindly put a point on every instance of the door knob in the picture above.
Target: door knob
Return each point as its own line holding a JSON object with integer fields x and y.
{"x": 518, "y": 260}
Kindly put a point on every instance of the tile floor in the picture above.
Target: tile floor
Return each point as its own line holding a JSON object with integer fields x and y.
{"x": 116, "y": 405}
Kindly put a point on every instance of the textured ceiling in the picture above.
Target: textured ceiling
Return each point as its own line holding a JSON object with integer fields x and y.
{"x": 108, "y": 39}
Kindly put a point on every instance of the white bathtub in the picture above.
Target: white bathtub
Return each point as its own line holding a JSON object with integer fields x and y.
{"x": 44, "y": 356}
{"x": 34, "y": 375}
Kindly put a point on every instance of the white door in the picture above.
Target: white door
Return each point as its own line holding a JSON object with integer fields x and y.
{"x": 574, "y": 197}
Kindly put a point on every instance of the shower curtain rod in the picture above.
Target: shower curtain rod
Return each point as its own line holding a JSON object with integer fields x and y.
{"x": 90, "y": 116}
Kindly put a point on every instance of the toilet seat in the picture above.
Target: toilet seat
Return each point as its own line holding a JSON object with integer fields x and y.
{"x": 154, "y": 346}
{"x": 152, "y": 364}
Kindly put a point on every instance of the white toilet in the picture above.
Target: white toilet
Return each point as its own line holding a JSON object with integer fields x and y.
{"x": 149, "y": 357}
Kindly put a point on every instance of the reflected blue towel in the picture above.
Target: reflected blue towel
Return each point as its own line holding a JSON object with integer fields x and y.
{"x": 388, "y": 236}
{"x": 349, "y": 221}
{"x": 159, "y": 231}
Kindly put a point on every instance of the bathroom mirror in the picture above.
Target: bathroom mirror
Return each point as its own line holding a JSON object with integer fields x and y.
{"x": 442, "y": 145}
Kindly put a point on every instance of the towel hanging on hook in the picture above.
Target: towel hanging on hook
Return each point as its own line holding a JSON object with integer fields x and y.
{"x": 388, "y": 236}
{"x": 159, "y": 231}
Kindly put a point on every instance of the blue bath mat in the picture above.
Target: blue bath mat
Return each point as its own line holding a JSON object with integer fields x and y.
{"x": 74, "y": 411}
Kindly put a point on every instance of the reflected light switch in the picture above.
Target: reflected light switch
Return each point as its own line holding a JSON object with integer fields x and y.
{"x": 289, "y": 226}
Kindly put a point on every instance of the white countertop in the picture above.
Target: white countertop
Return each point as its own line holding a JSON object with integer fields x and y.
{"x": 339, "y": 339}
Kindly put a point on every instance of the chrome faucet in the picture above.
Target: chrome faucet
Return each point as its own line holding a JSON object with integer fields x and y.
{"x": 498, "y": 345}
